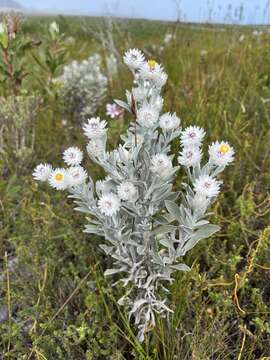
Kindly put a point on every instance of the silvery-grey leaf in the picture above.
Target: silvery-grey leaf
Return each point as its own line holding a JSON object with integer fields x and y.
{"x": 107, "y": 249}
{"x": 83, "y": 209}
{"x": 122, "y": 104}
{"x": 164, "y": 229}
{"x": 173, "y": 196}
{"x": 166, "y": 242}
{"x": 180, "y": 267}
{"x": 156, "y": 258}
{"x": 92, "y": 229}
{"x": 109, "y": 272}
{"x": 200, "y": 223}
{"x": 173, "y": 210}
{"x": 203, "y": 232}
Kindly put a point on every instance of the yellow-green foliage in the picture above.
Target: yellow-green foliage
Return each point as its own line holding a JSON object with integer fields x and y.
{"x": 54, "y": 301}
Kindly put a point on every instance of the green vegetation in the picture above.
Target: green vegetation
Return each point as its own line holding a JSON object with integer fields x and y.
{"x": 54, "y": 300}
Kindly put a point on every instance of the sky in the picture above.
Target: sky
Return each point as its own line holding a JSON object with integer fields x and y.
{"x": 253, "y": 11}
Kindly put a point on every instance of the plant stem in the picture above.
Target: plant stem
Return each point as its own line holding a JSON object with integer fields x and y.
{"x": 9, "y": 303}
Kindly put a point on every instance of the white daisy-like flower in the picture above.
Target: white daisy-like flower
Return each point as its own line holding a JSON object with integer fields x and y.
{"x": 95, "y": 148}
{"x": 59, "y": 179}
{"x": 169, "y": 122}
{"x": 221, "y": 153}
{"x": 109, "y": 204}
{"x": 42, "y": 172}
{"x": 73, "y": 156}
{"x": 77, "y": 175}
{"x": 153, "y": 72}
{"x": 133, "y": 58}
{"x": 147, "y": 116}
{"x": 127, "y": 191}
{"x": 161, "y": 164}
{"x": 190, "y": 156}
{"x": 192, "y": 136}
{"x": 95, "y": 128}
{"x": 207, "y": 186}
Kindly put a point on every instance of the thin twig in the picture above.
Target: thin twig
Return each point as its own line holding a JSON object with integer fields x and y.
{"x": 262, "y": 267}
{"x": 243, "y": 344}
{"x": 9, "y": 303}
{"x": 236, "y": 278}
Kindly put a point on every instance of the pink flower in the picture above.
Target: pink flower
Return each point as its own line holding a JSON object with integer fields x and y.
{"x": 113, "y": 111}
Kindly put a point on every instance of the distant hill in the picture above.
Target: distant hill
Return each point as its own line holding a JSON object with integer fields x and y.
{"x": 10, "y": 5}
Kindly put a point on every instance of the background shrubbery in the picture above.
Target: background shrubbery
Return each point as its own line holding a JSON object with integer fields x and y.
{"x": 54, "y": 300}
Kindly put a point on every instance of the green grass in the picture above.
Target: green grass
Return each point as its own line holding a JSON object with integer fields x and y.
{"x": 58, "y": 304}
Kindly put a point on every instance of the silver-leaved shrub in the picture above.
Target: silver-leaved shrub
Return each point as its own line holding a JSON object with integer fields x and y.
{"x": 18, "y": 117}
{"x": 146, "y": 227}
{"x": 82, "y": 86}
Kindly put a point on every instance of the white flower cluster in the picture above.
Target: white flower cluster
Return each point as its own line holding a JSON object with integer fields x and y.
{"x": 206, "y": 187}
{"x": 83, "y": 86}
{"x": 146, "y": 228}
{"x": 63, "y": 178}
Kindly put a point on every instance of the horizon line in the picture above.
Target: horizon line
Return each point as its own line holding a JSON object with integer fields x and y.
{"x": 58, "y": 12}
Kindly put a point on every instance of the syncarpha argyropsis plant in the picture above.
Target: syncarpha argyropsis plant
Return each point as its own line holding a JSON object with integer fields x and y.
{"x": 147, "y": 225}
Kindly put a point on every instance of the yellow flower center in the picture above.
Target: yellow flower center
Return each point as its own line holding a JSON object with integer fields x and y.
{"x": 224, "y": 149}
{"x": 58, "y": 177}
{"x": 152, "y": 64}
